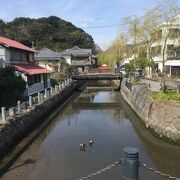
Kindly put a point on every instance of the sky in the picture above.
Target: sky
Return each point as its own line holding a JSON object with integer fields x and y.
{"x": 86, "y": 14}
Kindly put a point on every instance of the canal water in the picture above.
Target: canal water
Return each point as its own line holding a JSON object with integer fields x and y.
{"x": 99, "y": 113}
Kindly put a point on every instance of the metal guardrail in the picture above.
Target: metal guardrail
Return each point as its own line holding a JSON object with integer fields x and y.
{"x": 129, "y": 85}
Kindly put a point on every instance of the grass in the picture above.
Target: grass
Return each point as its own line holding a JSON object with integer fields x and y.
{"x": 170, "y": 95}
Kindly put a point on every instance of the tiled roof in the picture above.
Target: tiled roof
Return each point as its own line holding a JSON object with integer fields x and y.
{"x": 11, "y": 43}
{"x": 30, "y": 69}
{"x": 46, "y": 54}
{"x": 77, "y": 52}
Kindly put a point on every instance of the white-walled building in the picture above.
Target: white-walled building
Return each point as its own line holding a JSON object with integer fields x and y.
{"x": 79, "y": 59}
{"x": 13, "y": 53}
{"x": 48, "y": 59}
{"x": 172, "y": 49}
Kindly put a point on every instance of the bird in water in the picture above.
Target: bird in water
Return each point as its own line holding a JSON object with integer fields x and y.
{"x": 91, "y": 141}
{"x": 82, "y": 147}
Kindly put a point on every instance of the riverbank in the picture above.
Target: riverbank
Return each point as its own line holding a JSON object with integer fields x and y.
{"x": 37, "y": 117}
{"x": 161, "y": 117}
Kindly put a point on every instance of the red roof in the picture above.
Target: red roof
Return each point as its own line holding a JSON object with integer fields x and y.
{"x": 31, "y": 69}
{"x": 11, "y": 43}
{"x": 105, "y": 68}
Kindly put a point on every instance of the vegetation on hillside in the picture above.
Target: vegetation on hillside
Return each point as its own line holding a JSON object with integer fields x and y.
{"x": 51, "y": 32}
{"x": 11, "y": 87}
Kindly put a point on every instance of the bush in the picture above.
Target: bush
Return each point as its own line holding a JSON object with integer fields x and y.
{"x": 53, "y": 82}
{"x": 171, "y": 95}
{"x": 11, "y": 87}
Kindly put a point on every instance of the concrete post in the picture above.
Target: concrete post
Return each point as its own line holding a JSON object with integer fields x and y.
{"x": 51, "y": 90}
{"x": 59, "y": 86}
{"x": 42, "y": 96}
{"x": 39, "y": 97}
{"x": 56, "y": 89}
{"x": 19, "y": 106}
{"x": 45, "y": 93}
{"x": 178, "y": 88}
{"x": 3, "y": 114}
{"x": 48, "y": 94}
{"x": 30, "y": 101}
{"x": 130, "y": 163}
{"x": 62, "y": 85}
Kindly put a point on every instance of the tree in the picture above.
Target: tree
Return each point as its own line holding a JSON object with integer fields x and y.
{"x": 51, "y": 32}
{"x": 168, "y": 11}
{"x": 11, "y": 87}
{"x": 142, "y": 63}
{"x": 129, "y": 68}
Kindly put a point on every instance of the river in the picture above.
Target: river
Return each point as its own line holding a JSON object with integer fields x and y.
{"x": 102, "y": 114}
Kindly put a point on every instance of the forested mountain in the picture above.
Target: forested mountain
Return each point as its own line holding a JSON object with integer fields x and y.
{"x": 51, "y": 32}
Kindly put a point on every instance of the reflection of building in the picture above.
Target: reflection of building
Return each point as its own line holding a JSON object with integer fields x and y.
{"x": 79, "y": 59}
{"x": 21, "y": 58}
{"x": 48, "y": 59}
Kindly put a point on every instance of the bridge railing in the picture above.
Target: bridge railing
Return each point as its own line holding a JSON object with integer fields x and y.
{"x": 95, "y": 71}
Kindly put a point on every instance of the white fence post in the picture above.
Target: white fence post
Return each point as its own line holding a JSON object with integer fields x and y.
{"x": 39, "y": 97}
{"x": 3, "y": 114}
{"x": 30, "y": 101}
{"x": 19, "y": 106}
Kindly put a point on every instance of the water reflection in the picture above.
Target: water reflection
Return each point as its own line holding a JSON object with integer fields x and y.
{"x": 105, "y": 117}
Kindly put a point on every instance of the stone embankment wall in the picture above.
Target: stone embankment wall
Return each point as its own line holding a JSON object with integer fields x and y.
{"x": 18, "y": 125}
{"x": 162, "y": 116}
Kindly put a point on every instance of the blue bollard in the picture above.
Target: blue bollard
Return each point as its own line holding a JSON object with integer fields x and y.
{"x": 130, "y": 163}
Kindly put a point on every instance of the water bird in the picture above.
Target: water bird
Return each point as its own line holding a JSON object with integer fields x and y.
{"x": 82, "y": 146}
{"x": 91, "y": 141}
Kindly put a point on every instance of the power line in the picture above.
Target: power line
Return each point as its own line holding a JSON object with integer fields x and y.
{"x": 107, "y": 26}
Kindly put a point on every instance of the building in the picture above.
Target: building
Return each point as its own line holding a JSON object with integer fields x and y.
{"x": 79, "y": 59}
{"x": 172, "y": 49}
{"x": 13, "y": 53}
{"x": 48, "y": 59}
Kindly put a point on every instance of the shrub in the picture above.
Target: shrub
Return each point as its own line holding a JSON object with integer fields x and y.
{"x": 11, "y": 87}
{"x": 171, "y": 95}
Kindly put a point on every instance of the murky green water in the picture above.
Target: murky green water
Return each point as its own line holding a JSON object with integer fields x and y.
{"x": 105, "y": 117}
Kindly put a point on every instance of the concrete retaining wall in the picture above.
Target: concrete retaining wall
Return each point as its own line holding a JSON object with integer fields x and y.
{"x": 162, "y": 116}
{"x": 14, "y": 128}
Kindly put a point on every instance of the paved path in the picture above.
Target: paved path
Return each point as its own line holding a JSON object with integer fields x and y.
{"x": 154, "y": 85}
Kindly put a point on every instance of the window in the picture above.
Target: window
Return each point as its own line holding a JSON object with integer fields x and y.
{"x": 174, "y": 33}
{"x": 17, "y": 55}
{"x": 32, "y": 79}
{"x": 156, "y": 51}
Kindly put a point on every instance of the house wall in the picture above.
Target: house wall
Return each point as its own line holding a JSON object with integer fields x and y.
{"x": 44, "y": 64}
{"x": 68, "y": 59}
{"x": 49, "y": 65}
{"x": 159, "y": 43}
{"x": 2, "y": 56}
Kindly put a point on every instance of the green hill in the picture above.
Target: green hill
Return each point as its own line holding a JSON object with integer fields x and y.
{"x": 51, "y": 32}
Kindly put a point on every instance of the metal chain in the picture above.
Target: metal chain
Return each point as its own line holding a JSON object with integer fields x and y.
{"x": 100, "y": 171}
{"x": 157, "y": 172}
